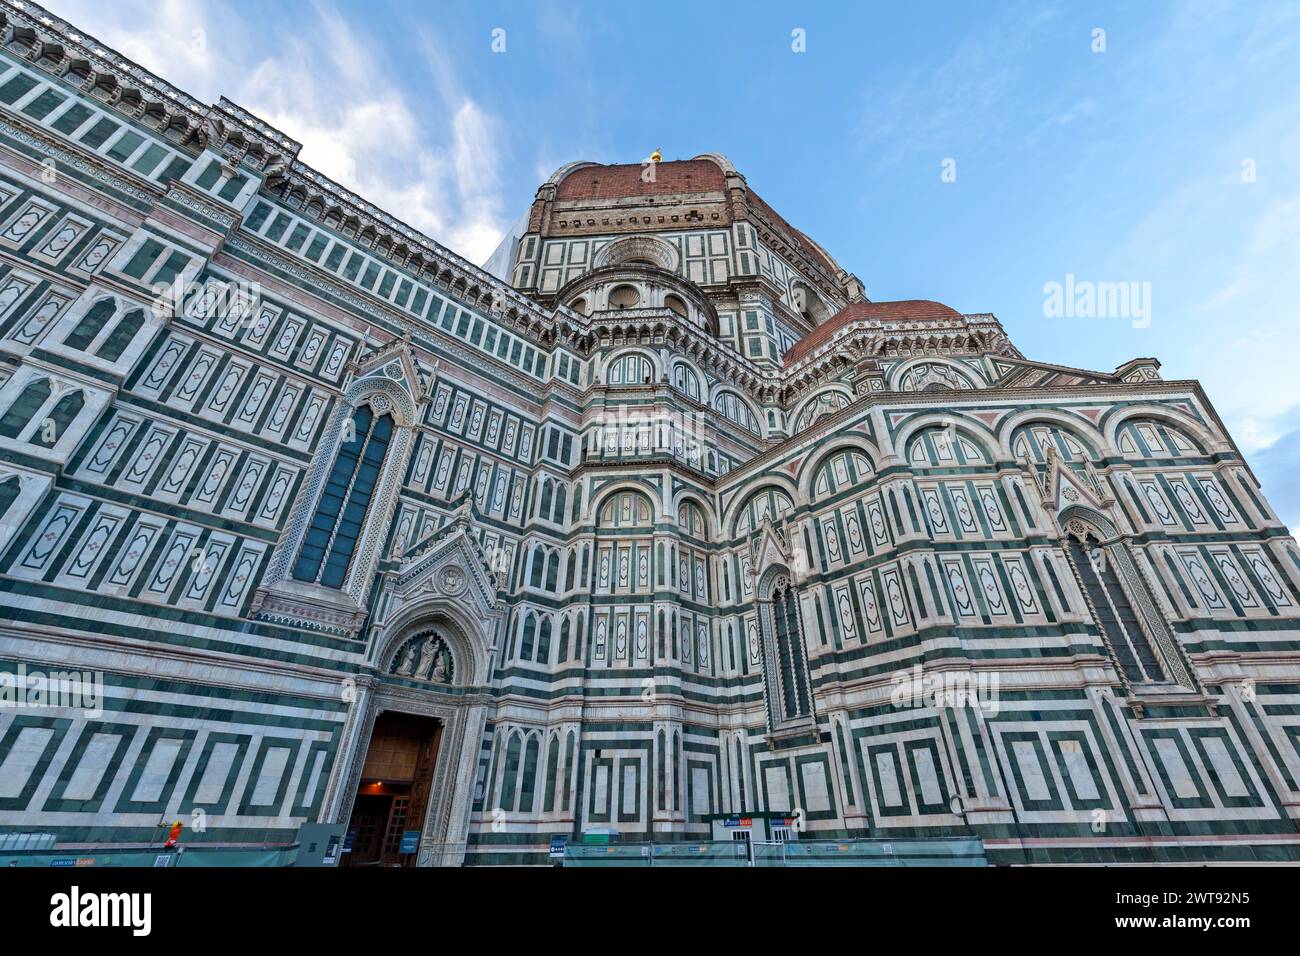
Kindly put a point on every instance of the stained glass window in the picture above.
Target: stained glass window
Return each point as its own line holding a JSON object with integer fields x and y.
{"x": 1115, "y": 614}
{"x": 332, "y": 536}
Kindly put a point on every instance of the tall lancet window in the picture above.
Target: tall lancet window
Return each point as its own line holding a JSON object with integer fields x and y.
{"x": 790, "y": 697}
{"x": 1096, "y": 566}
{"x": 332, "y": 535}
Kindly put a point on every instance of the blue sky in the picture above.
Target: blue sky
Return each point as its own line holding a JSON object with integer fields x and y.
{"x": 1171, "y": 158}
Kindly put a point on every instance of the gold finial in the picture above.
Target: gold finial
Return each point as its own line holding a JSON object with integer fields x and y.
{"x": 656, "y": 156}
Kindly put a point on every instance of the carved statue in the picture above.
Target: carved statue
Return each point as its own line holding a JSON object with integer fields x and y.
{"x": 1047, "y": 481}
{"x": 427, "y": 654}
{"x": 408, "y": 661}
{"x": 439, "y": 675}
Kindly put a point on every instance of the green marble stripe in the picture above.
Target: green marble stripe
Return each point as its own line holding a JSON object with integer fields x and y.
{"x": 125, "y": 802}
{"x": 145, "y": 503}
{"x": 1114, "y": 719}
{"x": 208, "y": 692}
{"x": 175, "y": 416}
{"x": 72, "y": 172}
{"x": 981, "y": 750}
{"x": 68, "y": 619}
{"x": 56, "y": 802}
{"x": 58, "y": 728}
{"x": 961, "y": 750}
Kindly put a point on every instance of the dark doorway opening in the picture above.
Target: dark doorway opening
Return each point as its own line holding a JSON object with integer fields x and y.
{"x": 393, "y": 795}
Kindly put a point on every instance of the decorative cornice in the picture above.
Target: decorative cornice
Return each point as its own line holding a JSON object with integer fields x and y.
{"x": 60, "y": 49}
{"x": 662, "y": 327}
{"x": 210, "y": 213}
{"x": 390, "y": 238}
{"x": 52, "y": 147}
{"x": 976, "y": 334}
{"x": 312, "y": 614}
{"x": 55, "y": 46}
{"x": 833, "y": 422}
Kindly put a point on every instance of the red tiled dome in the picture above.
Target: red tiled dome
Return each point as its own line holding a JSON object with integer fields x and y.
{"x": 616, "y": 182}
{"x": 808, "y": 245}
{"x": 905, "y": 310}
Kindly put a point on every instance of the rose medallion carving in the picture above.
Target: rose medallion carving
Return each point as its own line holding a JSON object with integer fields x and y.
{"x": 452, "y": 581}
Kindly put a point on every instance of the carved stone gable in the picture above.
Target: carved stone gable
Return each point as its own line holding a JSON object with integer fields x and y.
{"x": 394, "y": 363}
{"x": 770, "y": 548}
{"x": 447, "y": 563}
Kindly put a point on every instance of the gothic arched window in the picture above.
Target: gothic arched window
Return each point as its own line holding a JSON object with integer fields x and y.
{"x": 9, "y": 489}
{"x": 789, "y": 692}
{"x": 789, "y": 646}
{"x": 735, "y": 410}
{"x": 662, "y": 771}
{"x": 632, "y": 369}
{"x": 24, "y": 408}
{"x": 91, "y": 324}
{"x": 627, "y": 510}
{"x": 685, "y": 381}
{"x": 530, "y": 635}
{"x": 332, "y": 535}
{"x": 1119, "y": 622}
{"x": 528, "y": 787}
{"x": 65, "y": 410}
{"x": 510, "y": 776}
{"x": 691, "y": 521}
{"x": 126, "y": 330}
{"x": 552, "y": 770}
{"x": 544, "y": 642}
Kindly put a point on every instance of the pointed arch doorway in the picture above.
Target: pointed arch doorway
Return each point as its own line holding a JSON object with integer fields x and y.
{"x": 416, "y": 722}
{"x": 414, "y": 741}
{"x": 392, "y": 796}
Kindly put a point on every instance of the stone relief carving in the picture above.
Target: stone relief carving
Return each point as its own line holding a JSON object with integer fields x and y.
{"x": 452, "y": 581}
{"x": 425, "y": 657}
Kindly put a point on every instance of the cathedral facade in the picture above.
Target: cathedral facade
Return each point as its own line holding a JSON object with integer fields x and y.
{"x": 654, "y": 525}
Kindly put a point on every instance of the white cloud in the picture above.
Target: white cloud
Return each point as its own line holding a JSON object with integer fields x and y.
{"x": 436, "y": 170}
{"x": 173, "y": 38}
{"x": 1223, "y": 252}
{"x": 1225, "y": 258}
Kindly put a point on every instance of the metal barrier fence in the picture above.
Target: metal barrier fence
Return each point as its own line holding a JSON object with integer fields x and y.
{"x": 196, "y": 856}
{"x": 39, "y": 851}
{"x": 918, "y": 852}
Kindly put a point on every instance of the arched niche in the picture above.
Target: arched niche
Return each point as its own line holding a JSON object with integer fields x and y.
{"x": 638, "y": 250}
